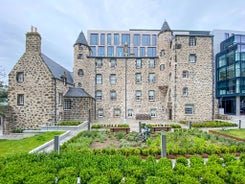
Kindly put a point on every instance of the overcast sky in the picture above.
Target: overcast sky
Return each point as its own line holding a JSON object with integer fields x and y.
{"x": 60, "y": 21}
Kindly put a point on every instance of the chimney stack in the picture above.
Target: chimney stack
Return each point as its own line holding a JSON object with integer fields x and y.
{"x": 33, "y": 41}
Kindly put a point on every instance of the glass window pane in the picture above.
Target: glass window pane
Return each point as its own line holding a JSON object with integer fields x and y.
{"x": 125, "y": 39}
{"x": 136, "y": 39}
{"x": 136, "y": 51}
{"x": 142, "y": 51}
{"x": 94, "y": 39}
{"x": 146, "y": 40}
{"x": 101, "y": 51}
{"x": 110, "y": 51}
{"x": 119, "y": 51}
{"x": 116, "y": 39}
{"x": 93, "y": 48}
{"x": 154, "y": 40}
{"x": 109, "y": 39}
{"x": 102, "y": 39}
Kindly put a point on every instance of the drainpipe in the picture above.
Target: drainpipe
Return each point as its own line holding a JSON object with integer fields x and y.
{"x": 55, "y": 101}
{"x": 125, "y": 110}
{"x": 95, "y": 103}
{"x": 213, "y": 81}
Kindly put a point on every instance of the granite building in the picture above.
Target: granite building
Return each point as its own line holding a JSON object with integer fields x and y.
{"x": 163, "y": 75}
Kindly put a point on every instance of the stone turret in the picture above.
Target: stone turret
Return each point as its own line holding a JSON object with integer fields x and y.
{"x": 83, "y": 69}
{"x": 33, "y": 41}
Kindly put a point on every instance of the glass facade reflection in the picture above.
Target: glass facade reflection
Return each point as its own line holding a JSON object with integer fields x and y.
{"x": 230, "y": 74}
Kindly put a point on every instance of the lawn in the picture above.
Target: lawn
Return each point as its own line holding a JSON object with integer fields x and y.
{"x": 239, "y": 133}
{"x": 9, "y": 147}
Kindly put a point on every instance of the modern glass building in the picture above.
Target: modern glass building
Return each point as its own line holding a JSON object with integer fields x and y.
{"x": 230, "y": 75}
{"x": 141, "y": 42}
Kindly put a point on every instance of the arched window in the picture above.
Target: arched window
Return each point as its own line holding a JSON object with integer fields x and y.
{"x": 80, "y": 72}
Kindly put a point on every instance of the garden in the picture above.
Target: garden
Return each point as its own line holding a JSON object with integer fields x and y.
{"x": 102, "y": 157}
{"x": 180, "y": 142}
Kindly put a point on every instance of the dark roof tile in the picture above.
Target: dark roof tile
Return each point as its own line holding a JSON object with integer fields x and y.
{"x": 76, "y": 92}
{"x": 57, "y": 70}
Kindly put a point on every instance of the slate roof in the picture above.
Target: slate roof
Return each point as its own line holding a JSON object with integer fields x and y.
{"x": 57, "y": 70}
{"x": 76, "y": 92}
{"x": 81, "y": 39}
{"x": 165, "y": 27}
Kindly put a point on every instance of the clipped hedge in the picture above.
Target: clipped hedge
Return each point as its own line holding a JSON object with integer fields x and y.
{"x": 98, "y": 126}
{"x": 210, "y": 124}
{"x": 103, "y": 169}
{"x": 70, "y": 123}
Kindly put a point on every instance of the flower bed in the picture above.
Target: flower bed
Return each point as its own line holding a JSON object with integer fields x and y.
{"x": 181, "y": 142}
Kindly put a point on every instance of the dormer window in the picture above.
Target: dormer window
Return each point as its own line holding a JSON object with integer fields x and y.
{"x": 64, "y": 78}
{"x": 20, "y": 77}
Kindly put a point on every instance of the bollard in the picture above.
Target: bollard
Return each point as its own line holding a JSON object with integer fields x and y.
{"x": 240, "y": 123}
{"x": 89, "y": 120}
{"x": 78, "y": 180}
{"x": 163, "y": 145}
{"x": 139, "y": 127}
{"x": 57, "y": 144}
{"x": 189, "y": 124}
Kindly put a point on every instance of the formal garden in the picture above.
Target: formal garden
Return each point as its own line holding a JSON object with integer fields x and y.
{"x": 101, "y": 156}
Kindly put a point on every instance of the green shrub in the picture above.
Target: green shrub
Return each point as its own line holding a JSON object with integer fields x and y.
{"x": 96, "y": 126}
{"x": 70, "y": 123}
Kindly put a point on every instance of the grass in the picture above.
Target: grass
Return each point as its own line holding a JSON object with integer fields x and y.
{"x": 9, "y": 147}
{"x": 239, "y": 133}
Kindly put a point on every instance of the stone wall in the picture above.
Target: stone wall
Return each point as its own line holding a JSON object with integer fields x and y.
{"x": 169, "y": 101}
{"x": 80, "y": 109}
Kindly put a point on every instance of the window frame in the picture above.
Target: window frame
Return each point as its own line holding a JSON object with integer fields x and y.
{"x": 100, "y": 113}
{"x": 138, "y": 63}
{"x": 152, "y": 63}
{"x": 138, "y": 78}
{"x": 153, "y": 115}
{"x": 20, "y": 99}
{"x": 185, "y": 74}
{"x": 97, "y": 96}
{"x": 151, "y": 95}
{"x": 80, "y": 72}
{"x": 98, "y": 63}
{"x": 67, "y": 104}
{"x": 185, "y": 91}
{"x": 150, "y": 79}
{"x": 192, "y": 41}
{"x": 192, "y": 58}
{"x": 113, "y": 79}
{"x": 138, "y": 97}
{"x": 113, "y": 95}
{"x": 20, "y": 77}
{"x": 60, "y": 99}
{"x": 117, "y": 112}
{"x": 130, "y": 113}
{"x": 113, "y": 63}
{"x": 189, "y": 109}
{"x": 99, "y": 80}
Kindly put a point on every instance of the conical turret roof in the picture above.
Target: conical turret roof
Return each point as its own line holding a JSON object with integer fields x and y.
{"x": 81, "y": 39}
{"x": 165, "y": 27}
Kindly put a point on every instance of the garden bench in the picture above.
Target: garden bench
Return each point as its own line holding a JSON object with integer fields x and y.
{"x": 119, "y": 129}
{"x": 160, "y": 128}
